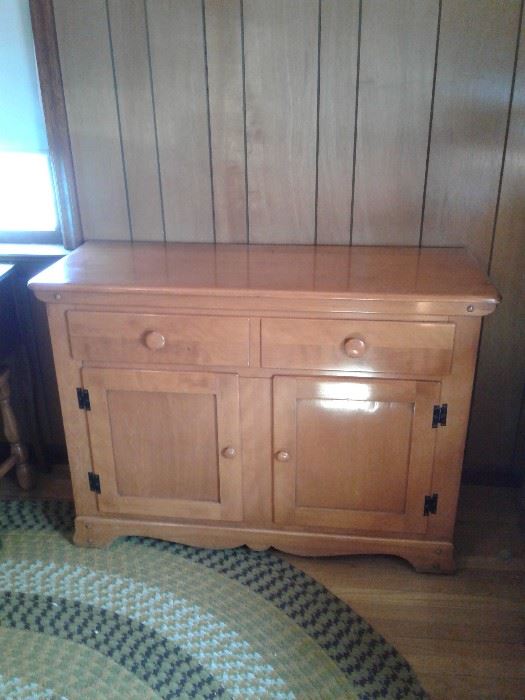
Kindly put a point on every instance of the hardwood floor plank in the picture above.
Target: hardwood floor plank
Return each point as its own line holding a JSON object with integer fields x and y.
{"x": 281, "y": 118}
{"x": 483, "y": 659}
{"x": 442, "y": 687}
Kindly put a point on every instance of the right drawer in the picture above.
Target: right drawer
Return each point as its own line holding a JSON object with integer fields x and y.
{"x": 402, "y": 347}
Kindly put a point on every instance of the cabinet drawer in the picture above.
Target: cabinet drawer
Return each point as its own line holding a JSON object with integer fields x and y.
{"x": 126, "y": 337}
{"x": 368, "y": 346}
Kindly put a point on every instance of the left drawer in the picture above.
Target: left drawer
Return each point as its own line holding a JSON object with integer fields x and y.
{"x": 99, "y": 336}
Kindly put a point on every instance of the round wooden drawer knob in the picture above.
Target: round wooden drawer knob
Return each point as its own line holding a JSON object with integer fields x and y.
{"x": 282, "y": 456}
{"x": 354, "y": 347}
{"x": 229, "y": 452}
{"x": 154, "y": 340}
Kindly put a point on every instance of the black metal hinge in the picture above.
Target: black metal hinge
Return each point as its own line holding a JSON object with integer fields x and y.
{"x": 431, "y": 504}
{"x": 83, "y": 399}
{"x": 439, "y": 416}
{"x": 94, "y": 482}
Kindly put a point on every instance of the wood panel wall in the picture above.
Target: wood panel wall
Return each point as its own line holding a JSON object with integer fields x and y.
{"x": 309, "y": 121}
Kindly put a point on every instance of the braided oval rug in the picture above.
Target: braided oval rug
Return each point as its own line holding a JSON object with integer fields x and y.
{"x": 145, "y": 619}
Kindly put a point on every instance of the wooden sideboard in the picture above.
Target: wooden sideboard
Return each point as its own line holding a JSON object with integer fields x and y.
{"x": 314, "y": 399}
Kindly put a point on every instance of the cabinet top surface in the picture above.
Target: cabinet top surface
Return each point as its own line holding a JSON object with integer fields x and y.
{"x": 358, "y": 272}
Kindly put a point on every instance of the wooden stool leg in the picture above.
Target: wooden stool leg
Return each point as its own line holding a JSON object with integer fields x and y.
{"x": 24, "y": 471}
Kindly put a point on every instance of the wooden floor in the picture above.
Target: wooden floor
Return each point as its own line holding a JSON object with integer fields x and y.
{"x": 464, "y": 635}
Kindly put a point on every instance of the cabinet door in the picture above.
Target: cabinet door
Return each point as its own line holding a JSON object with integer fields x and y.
{"x": 351, "y": 453}
{"x": 166, "y": 443}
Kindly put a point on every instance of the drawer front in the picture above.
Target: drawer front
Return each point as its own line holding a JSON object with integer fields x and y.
{"x": 189, "y": 340}
{"x": 402, "y": 347}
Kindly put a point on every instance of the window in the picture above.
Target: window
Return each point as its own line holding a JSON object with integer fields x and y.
{"x": 27, "y": 199}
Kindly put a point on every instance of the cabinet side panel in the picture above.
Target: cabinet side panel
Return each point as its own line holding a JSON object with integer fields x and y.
{"x": 456, "y": 391}
{"x": 75, "y": 424}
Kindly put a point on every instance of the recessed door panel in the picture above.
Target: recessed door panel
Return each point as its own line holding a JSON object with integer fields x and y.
{"x": 166, "y": 443}
{"x": 353, "y": 453}
{"x": 157, "y": 436}
{"x": 342, "y": 450}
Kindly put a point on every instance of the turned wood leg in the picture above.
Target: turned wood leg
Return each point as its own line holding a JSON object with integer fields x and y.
{"x": 19, "y": 455}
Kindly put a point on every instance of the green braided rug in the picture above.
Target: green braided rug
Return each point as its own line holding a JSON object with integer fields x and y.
{"x": 145, "y": 619}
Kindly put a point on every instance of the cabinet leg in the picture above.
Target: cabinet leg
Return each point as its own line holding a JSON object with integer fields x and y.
{"x": 19, "y": 456}
{"x": 439, "y": 560}
{"x": 87, "y": 535}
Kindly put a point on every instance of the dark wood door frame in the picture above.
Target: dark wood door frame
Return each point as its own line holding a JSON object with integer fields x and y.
{"x": 53, "y": 101}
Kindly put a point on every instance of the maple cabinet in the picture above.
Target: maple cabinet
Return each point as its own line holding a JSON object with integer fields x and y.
{"x": 311, "y": 399}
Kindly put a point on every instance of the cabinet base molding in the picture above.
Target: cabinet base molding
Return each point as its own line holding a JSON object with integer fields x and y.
{"x": 425, "y": 556}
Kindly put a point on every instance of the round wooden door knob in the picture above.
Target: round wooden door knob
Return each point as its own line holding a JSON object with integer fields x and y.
{"x": 154, "y": 340}
{"x": 354, "y": 347}
{"x": 282, "y": 456}
{"x": 229, "y": 452}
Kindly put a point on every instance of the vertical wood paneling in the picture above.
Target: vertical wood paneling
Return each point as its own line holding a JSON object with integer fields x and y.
{"x": 395, "y": 89}
{"x": 225, "y": 76}
{"x": 179, "y": 88}
{"x": 501, "y": 369}
{"x": 132, "y": 152}
{"x": 281, "y": 39}
{"x": 337, "y": 97}
{"x": 474, "y": 74}
{"x": 132, "y": 74}
{"x": 85, "y": 58}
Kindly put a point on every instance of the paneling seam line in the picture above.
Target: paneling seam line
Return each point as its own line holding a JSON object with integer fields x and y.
{"x": 430, "y": 123}
{"x": 243, "y": 68}
{"x": 316, "y": 201}
{"x": 356, "y": 113}
{"x": 155, "y": 129}
{"x": 206, "y": 79}
{"x": 115, "y": 87}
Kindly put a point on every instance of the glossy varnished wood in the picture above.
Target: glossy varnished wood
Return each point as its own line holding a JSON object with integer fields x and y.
{"x": 261, "y": 321}
{"x": 159, "y": 339}
{"x": 379, "y": 346}
{"x": 429, "y": 278}
{"x": 338, "y": 436}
